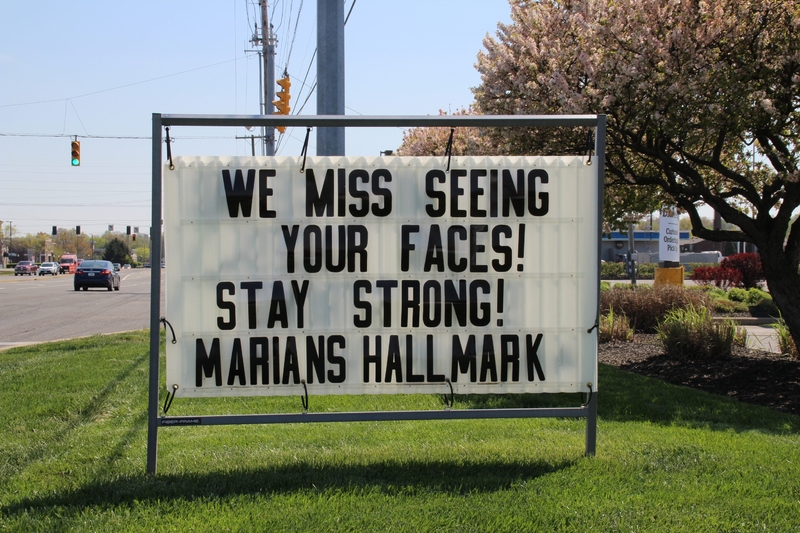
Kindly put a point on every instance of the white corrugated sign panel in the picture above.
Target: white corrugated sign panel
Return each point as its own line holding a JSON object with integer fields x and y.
{"x": 381, "y": 275}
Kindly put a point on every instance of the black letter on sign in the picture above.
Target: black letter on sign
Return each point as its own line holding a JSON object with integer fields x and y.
{"x": 372, "y": 359}
{"x": 237, "y": 194}
{"x": 464, "y": 360}
{"x": 543, "y": 196}
{"x": 533, "y": 357}
{"x": 338, "y": 360}
{"x": 290, "y": 238}
{"x": 355, "y": 192}
{"x": 509, "y": 355}
{"x": 251, "y": 287}
{"x": 237, "y": 364}
{"x": 319, "y": 204}
{"x": 277, "y": 309}
{"x": 263, "y": 192}
{"x": 358, "y": 303}
{"x": 479, "y": 312}
{"x": 437, "y": 209}
{"x": 230, "y": 306}
{"x": 456, "y": 192}
{"x": 208, "y": 364}
{"x": 315, "y": 359}
{"x": 377, "y": 190}
{"x": 257, "y": 360}
{"x": 291, "y": 366}
{"x": 406, "y": 246}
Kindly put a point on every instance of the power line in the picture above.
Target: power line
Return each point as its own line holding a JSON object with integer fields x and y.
{"x": 124, "y": 86}
{"x": 125, "y": 137}
{"x": 294, "y": 36}
{"x": 350, "y": 11}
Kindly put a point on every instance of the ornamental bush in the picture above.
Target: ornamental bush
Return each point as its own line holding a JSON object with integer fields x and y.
{"x": 749, "y": 267}
{"x": 612, "y": 271}
{"x": 692, "y": 333}
{"x": 614, "y": 328}
{"x": 724, "y": 278}
{"x": 737, "y": 295}
{"x": 755, "y": 296}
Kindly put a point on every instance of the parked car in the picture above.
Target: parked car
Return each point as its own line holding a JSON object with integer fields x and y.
{"x": 48, "y": 268}
{"x": 25, "y": 267}
{"x": 95, "y": 273}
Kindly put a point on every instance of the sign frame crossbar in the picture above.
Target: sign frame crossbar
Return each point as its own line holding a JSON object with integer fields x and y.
{"x": 588, "y": 410}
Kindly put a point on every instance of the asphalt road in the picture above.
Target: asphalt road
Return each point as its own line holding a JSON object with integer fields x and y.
{"x": 46, "y": 308}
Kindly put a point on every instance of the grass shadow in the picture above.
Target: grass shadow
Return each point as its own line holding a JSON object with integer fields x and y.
{"x": 387, "y": 477}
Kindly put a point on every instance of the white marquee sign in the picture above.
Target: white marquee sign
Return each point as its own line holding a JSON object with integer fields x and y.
{"x": 381, "y": 275}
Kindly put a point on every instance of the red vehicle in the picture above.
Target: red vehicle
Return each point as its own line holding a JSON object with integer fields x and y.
{"x": 25, "y": 267}
{"x": 68, "y": 264}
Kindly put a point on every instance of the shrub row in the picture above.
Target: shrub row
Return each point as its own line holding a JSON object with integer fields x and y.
{"x": 739, "y": 270}
{"x": 645, "y": 270}
{"x": 646, "y": 305}
{"x": 680, "y": 317}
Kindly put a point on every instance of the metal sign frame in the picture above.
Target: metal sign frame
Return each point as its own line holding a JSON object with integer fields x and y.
{"x": 588, "y": 410}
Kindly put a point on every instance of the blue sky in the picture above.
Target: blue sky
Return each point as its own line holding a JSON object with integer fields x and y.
{"x": 99, "y": 69}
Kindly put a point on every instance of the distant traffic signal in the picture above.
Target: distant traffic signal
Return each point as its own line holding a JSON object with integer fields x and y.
{"x": 128, "y": 230}
{"x": 77, "y": 230}
{"x": 55, "y": 230}
{"x": 282, "y": 103}
{"x": 76, "y": 153}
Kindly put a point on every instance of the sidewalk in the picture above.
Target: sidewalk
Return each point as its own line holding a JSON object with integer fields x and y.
{"x": 760, "y": 333}
{"x": 762, "y": 337}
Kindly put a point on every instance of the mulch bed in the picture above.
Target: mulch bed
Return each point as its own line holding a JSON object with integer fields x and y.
{"x": 752, "y": 376}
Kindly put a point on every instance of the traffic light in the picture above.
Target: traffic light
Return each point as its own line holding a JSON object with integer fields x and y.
{"x": 77, "y": 230}
{"x": 76, "y": 153}
{"x": 134, "y": 236}
{"x": 128, "y": 230}
{"x": 282, "y": 103}
{"x": 55, "y": 230}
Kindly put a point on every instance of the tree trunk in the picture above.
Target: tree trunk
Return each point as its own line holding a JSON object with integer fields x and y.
{"x": 783, "y": 282}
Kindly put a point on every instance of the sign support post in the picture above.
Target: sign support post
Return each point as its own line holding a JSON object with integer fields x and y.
{"x": 155, "y": 299}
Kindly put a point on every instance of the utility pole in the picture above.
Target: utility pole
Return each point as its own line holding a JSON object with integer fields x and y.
{"x": 330, "y": 73}
{"x": 268, "y": 53}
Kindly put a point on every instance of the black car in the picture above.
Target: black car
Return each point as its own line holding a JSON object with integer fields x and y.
{"x": 96, "y": 274}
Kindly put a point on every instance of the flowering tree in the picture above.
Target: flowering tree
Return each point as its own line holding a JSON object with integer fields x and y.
{"x": 433, "y": 141}
{"x": 702, "y": 103}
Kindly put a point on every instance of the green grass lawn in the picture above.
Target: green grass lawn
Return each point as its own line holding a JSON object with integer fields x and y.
{"x": 73, "y": 454}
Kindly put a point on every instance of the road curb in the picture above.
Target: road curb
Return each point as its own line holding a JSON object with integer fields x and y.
{"x": 748, "y": 320}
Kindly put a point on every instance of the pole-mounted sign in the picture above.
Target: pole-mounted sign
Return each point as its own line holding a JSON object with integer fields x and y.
{"x": 381, "y": 275}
